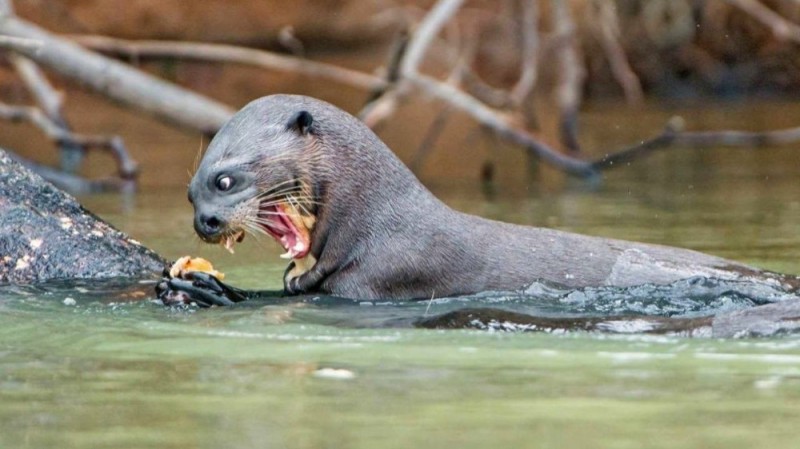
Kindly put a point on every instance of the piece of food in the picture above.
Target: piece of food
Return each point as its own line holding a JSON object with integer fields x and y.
{"x": 186, "y": 264}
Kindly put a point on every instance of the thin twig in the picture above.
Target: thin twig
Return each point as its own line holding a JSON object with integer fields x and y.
{"x": 530, "y": 52}
{"x": 609, "y": 34}
{"x": 117, "y": 80}
{"x": 231, "y": 54}
{"x": 127, "y": 166}
{"x": 74, "y": 183}
{"x": 781, "y": 28}
{"x": 673, "y": 136}
{"x": 407, "y": 62}
{"x": 427, "y": 31}
{"x": 50, "y": 101}
{"x": 431, "y": 136}
{"x": 16, "y": 43}
{"x": 570, "y": 74}
{"x": 383, "y": 101}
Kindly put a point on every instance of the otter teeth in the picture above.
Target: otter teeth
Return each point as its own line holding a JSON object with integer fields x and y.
{"x": 292, "y": 252}
{"x": 228, "y": 244}
{"x": 230, "y": 240}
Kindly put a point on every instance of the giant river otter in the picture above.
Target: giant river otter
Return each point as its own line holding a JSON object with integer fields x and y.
{"x": 356, "y": 223}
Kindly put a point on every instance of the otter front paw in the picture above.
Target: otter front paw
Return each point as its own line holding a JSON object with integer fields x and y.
{"x": 292, "y": 286}
{"x": 197, "y": 288}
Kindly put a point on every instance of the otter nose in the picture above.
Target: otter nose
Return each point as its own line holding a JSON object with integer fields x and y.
{"x": 207, "y": 225}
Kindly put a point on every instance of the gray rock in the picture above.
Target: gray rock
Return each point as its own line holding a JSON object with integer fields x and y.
{"x": 763, "y": 321}
{"x": 46, "y": 234}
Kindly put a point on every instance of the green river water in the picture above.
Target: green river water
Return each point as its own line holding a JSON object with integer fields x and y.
{"x": 86, "y": 367}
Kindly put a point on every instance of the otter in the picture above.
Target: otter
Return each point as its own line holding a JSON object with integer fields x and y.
{"x": 356, "y": 223}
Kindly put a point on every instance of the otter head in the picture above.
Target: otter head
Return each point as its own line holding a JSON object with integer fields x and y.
{"x": 254, "y": 178}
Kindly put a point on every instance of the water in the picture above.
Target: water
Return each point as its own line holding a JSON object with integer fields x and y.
{"x": 101, "y": 365}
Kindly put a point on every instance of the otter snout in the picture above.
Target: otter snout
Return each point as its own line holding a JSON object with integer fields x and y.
{"x": 209, "y": 226}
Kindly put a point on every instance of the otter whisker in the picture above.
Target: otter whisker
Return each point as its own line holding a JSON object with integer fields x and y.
{"x": 301, "y": 198}
{"x": 288, "y": 199}
{"x": 297, "y": 201}
{"x": 270, "y": 223}
{"x": 292, "y": 182}
{"x": 274, "y": 192}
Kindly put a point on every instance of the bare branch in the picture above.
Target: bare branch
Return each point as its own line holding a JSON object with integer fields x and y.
{"x": 127, "y": 166}
{"x": 16, "y": 43}
{"x": 378, "y": 110}
{"x": 609, "y": 33}
{"x": 571, "y": 74}
{"x": 673, "y": 136}
{"x": 50, "y": 101}
{"x": 427, "y": 31}
{"x": 116, "y": 80}
{"x": 500, "y": 124}
{"x": 530, "y": 52}
{"x": 781, "y": 28}
{"x": 6, "y": 8}
{"x": 231, "y": 54}
{"x": 74, "y": 183}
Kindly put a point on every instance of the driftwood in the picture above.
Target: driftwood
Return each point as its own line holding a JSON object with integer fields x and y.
{"x": 113, "y": 79}
{"x": 50, "y": 101}
{"x": 230, "y": 54}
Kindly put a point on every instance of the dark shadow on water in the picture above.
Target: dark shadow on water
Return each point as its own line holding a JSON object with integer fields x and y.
{"x": 686, "y": 307}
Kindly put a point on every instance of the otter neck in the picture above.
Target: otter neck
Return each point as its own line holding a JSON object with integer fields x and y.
{"x": 369, "y": 193}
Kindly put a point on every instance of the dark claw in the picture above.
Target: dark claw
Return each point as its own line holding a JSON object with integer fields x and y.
{"x": 199, "y": 288}
{"x": 292, "y": 287}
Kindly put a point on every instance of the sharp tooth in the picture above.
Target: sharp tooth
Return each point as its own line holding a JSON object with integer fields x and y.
{"x": 228, "y": 242}
{"x": 298, "y": 246}
{"x": 286, "y": 255}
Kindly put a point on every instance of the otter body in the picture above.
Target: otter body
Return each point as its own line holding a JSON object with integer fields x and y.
{"x": 357, "y": 223}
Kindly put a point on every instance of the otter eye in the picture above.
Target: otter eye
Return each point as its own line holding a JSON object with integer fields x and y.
{"x": 224, "y": 183}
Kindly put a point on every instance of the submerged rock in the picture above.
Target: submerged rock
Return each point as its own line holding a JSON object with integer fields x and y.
{"x": 46, "y": 234}
{"x": 764, "y": 321}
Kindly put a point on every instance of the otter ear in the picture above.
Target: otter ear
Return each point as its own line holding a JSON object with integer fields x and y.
{"x": 301, "y": 122}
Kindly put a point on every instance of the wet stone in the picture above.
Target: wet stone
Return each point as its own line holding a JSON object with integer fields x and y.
{"x": 46, "y": 234}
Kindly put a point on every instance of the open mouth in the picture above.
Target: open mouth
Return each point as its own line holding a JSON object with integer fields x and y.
{"x": 288, "y": 226}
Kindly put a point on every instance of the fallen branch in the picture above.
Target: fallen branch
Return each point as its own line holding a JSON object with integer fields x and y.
{"x": 405, "y": 63}
{"x": 10, "y": 42}
{"x": 530, "y": 52}
{"x": 230, "y": 54}
{"x": 50, "y": 101}
{"x": 569, "y": 84}
{"x": 608, "y": 32}
{"x": 673, "y": 136}
{"x": 127, "y": 166}
{"x": 75, "y": 184}
{"x": 781, "y": 28}
{"x": 114, "y": 79}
